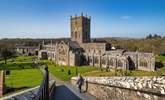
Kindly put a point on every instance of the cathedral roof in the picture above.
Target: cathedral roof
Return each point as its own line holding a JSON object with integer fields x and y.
{"x": 74, "y": 45}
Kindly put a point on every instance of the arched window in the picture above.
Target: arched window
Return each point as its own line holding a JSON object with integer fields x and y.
{"x": 111, "y": 62}
{"x": 62, "y": 52}
{"x": 90, "y": 59}
{"x": 103, "y": 61}
{"x": 119, "y": 63}
{"x": 75, "y": 34}
{"x": 96, "y": 60}
{"x": 94, "y": 50}
{"x": 143, "y": 63}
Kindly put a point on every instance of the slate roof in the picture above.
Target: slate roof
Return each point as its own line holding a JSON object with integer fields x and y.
{"x": 74, "y": 45}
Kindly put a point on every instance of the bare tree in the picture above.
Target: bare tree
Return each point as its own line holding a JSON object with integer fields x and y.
{"x": 6, "y": 53}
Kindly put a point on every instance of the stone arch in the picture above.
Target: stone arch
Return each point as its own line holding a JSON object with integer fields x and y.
{"x": 94, "y": 50}
{"x": 76, "y": 34}
{"x": 143, "y": 62}
{"x": 103, "y": 61}
{"x": 96, "y": 60}
{"x": 119, "y": 63}
{"x": 90, "y": 59}
{"x": 111, "y": 62}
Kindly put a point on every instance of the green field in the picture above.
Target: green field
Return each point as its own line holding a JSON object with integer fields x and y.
{"x": 160, "y": 72}
{"x": 121, "y": 73}
{"x": 23, "y": 73}
{"x": 62, "y": 72}
{"x": 24, "y": 78}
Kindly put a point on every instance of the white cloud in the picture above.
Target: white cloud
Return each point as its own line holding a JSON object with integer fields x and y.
{"x": 125, "y": 17}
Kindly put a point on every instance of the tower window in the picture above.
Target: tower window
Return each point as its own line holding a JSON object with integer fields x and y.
{"x": 75, "y": 34}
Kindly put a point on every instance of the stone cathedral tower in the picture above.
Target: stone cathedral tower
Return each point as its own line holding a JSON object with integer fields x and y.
{"x": 80, "y": 29}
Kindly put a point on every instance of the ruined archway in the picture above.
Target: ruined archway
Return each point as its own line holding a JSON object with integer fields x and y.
{"x": 111, "y": 62}
{"x": 119, "y": 63}
{"x": 143, "y": 62}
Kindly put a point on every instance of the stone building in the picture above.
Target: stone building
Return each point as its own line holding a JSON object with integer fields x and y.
{"x": 82, "y": 51}
{"x": 27, "y": 50}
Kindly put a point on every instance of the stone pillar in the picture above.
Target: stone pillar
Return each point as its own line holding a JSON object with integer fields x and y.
{"x": 152, "y": 62}
{"x": 92, "y": 59}
{"x": 2, "y": 81}
{"x": 100, "y": 62}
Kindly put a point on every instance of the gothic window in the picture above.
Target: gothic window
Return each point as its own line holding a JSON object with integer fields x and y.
{"x": 90, "y": 59}
{"x": 96, "y": 60}
{"x": 75, "y": 34}
{"x": 103, "y": 61}
{"x": 119, "y": 63}
{"x": 23, "y": 51}
{"x": 62, "y": 53}
{"x": 111, "y": 62}
{"x": 61, "y": 58}
{"x": 94, "y": 50}
{"x": 143, "y": 62}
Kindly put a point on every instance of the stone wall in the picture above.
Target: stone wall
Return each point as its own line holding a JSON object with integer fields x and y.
{"x": 29, "y": 94}
{"x": 125, "y": 88}
{"x": 2, "y": 80}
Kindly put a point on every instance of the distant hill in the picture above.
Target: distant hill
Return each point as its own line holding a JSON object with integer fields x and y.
{"x": 155, "y": 45}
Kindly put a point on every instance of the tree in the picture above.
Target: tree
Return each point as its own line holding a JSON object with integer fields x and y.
{"x": 6, "y": 53}
{"x": 156, "y": 36}
{"x": 149, "y": 36}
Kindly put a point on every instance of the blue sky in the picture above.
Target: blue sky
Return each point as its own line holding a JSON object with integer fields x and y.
{"x": 109, "y": 18}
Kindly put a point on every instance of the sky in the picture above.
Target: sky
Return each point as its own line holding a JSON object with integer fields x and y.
{"x": 109, "y": 18}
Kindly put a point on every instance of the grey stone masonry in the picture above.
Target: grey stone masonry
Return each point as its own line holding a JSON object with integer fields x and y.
{"x": 125, "y": 88}
{"x": 80, "y": 51}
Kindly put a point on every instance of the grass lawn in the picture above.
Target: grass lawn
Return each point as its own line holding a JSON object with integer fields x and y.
{"x": 62, "y": 72}
{"x": 121, "y": 73}
{"x": 23, "y": 78}
{"x": 159, "y": 72}
{"x": 23, "y": 73}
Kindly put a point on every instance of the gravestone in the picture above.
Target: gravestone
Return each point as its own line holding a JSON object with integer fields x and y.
{"x": 7, "y": 72}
